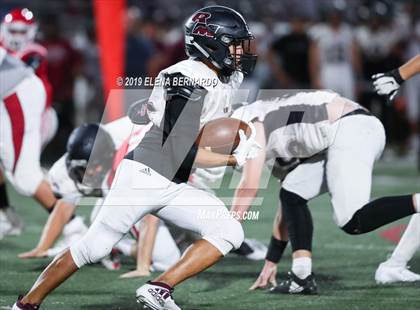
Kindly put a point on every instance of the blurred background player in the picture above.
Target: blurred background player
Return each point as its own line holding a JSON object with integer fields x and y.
{"x": 334, "y": 58}
{"x": 395, "y": 268}
{"x": 288, "y": 55}
{"x": 17, "y": 35}
{"x": 22, "y": 105}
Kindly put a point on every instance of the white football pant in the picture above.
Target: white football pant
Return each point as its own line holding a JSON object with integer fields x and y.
{"x": 345, "y": 171}
{"x": 138, "y": 190}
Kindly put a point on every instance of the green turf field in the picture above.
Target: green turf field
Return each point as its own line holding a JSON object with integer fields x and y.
{"x": 344, "y": 265}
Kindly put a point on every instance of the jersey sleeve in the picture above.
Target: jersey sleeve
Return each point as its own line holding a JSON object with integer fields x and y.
{"x": 61, "y": 183}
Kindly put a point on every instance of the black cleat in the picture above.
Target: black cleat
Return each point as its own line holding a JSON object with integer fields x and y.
{"x": 296, "y": 285}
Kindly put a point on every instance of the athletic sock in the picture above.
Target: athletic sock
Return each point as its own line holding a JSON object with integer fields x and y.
{"x": 20, "y": 305}
{"x": 4, "y": 200}
{"x": 409, "y": 243}
{"x": 161, "y": 284}
{"x": 302, "y": 267}
{"x": 417, "y": 202}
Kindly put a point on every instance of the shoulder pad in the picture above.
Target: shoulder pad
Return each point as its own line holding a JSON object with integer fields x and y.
{"x": 177, "y": 84}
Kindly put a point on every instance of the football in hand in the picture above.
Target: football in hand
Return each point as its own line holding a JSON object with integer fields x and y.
{"x": 222, "y": 135}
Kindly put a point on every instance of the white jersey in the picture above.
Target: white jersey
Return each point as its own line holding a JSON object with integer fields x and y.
{"x": 219, "y": 97}
{"x": 12, "y": 72}
{"x": 295, "y": 127}
{"x": 174, "y": 158}
{"x": 125, "y": 135}
{"x": 335, "y": 46}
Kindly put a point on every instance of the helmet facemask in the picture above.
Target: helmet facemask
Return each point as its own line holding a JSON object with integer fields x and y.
{"x": 241, "y": 57}
{"x": 88, "y": 176}
{"x": 18, "y": 29}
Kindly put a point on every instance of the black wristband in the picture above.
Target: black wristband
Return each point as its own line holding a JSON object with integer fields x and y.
{"x": 397, "y": 76}
{"x": 275, "y": 250}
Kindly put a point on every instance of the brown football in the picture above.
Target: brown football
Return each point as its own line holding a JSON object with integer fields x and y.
{"x": 222, "y": 135}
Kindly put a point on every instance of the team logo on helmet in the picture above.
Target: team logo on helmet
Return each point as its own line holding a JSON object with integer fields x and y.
{"x": 201, "y": 26}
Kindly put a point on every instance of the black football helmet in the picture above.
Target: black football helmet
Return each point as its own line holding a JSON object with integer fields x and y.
{"x": 90, "y": 154}
{"x": 211, "y": 30}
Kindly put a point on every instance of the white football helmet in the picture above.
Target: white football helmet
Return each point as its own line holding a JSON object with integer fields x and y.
{"x": 18, "y": 28}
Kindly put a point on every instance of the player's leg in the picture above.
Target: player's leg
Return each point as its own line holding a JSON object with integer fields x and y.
{"x": 395, "y": 268}
{"x": 49, "y": 126}
{"x": 165, "y": 251}
{"x": 122, "y": 208}
{"x": 358, "y": 143}
{"x": 96, "y": 244}
{"x": 57, "y": 220}
{"x": 10, "y": 222}
{"x": 22, "y": 138}
{"x": 205, "y": 214}
{"x": 302, "y": 184}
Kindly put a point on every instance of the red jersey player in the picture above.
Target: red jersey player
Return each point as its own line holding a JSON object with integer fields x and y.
{"x": 17, "y": 34}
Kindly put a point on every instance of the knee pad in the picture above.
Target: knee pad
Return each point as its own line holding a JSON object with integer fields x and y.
{"x": 227, "y": 236}
{"x": 298, "y": 220}
{"x": 291, "y": 199}
{"x": 95, "y": 244}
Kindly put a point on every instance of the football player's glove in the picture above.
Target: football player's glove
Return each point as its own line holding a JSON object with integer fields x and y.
{"x": 387, "y": 83}
{"x": 247, "y": 148}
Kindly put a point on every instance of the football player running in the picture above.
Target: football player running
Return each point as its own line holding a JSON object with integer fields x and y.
{"x": 17, "y": 35}
{"x": 324, "y": 130}
{"x": 74, "y": 177}
{"x": 152, "y": 179}
{"x": 395, "y": 268}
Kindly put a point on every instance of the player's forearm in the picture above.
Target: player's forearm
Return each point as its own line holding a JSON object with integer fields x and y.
{"x": 147, "y": 241}
{"x": 242, "y": 201}
{"x": 44, "y": 195}
{"x": 209, "y": 159}
{"x": 55, "y": 224}
{"x": 410, "y": 68}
